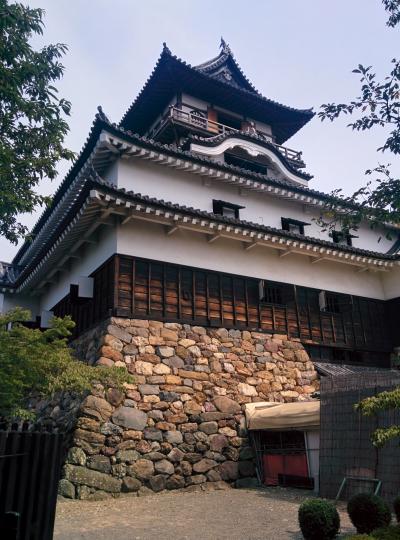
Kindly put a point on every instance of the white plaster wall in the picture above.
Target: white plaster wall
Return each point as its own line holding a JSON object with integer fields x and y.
{"x": 148, "y": 240}
{"x": 92, "y": 257}
{"x": 189, "y": 190}
{"x": 12, "y": 300}
{"x": 391, "y": 283}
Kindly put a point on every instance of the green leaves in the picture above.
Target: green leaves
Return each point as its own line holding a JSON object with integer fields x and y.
{"x": 393, "y": 8}
{"x": 371, "y": 406}
{"x": 378, "y": 106}
{"x": 40, "y": 363}
{"x": 32, "y": 123}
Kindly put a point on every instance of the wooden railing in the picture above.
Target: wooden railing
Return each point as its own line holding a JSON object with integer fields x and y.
{"x": 196, "y": 119}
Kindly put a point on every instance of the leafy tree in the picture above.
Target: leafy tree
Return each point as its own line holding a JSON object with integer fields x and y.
{"x": 32, "y": 116}
{"x": 40, "y": 363}
{"x": 377, "y": 106}
{"x": 379, "y": 200}
{"x": 371, "y": 406}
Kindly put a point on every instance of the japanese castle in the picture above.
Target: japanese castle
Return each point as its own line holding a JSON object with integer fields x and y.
{"x": 192, "y": 209}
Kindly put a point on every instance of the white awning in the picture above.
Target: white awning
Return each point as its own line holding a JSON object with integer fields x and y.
{"x": 270, "y": 415}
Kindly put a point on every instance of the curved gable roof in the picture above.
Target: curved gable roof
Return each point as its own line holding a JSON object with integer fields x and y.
{"x": 172, "y": 75}
{"x": 225, "y": 68}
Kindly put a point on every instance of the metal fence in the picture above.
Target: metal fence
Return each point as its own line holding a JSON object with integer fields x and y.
{"x": 345, "y": 446}
{"x": 30, "y": 465}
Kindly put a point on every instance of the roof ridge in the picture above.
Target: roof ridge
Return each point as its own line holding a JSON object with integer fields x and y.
{"x": 166, "y": 53}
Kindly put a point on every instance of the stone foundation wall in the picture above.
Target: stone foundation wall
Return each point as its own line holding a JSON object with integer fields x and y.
{"x": 181, "y": 424}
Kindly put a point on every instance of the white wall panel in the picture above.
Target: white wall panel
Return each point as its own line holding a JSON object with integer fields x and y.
{"x": 184, "y": 247}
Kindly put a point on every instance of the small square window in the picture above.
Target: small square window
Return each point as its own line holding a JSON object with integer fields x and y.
{"x": 230, "y": 212}
{"x": 226, "y": 209}
{"x": 293, "y": 225}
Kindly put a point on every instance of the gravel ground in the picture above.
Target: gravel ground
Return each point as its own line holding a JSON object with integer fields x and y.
{"x": 250, "y": 514}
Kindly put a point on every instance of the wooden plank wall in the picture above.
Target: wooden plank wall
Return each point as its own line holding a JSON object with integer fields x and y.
{"x": 86, "y": 312}
{"x": 177, "y": 293}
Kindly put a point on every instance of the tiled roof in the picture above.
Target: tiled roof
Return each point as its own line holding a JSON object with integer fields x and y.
{"x": 138, "y": 197}
{"x": 224, "y": 65}
{"x": 93, "y": 181}
{"x": 217, "y": 139}
{"x": 8, "y": 274}
{"x": 337, "y": 370}
{"x": 66, "y": 197}
{"x": 163, "y": 80}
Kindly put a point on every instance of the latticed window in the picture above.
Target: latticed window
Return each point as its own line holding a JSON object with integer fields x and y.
{"x": 273, "y": 294}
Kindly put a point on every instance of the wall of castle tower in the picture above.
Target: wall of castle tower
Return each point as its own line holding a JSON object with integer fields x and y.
{"x": 148, "y": 240}
{"x": 191, "y": 190}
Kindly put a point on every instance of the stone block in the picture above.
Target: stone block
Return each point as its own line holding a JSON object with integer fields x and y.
{"x": 108, "y": 352}
{"x": 83, "y": 476}
{"x": 246, "y": 390}
{"x": 153, "y": 434}
{"x": 115, "y": 396}
{"x": 142, "y": 469}
{"x": 227, "y": 405}
{"x": 143, "y": 368}
{"x": 175, "y": 482}
{"x": 99, "y": 463}
{"x": 158, "y": 483}
{"x": 165, "y": 351}
{"x": 97, "y": 407}
{"x": 164, "y": 467}
{"x": 173, "y": 437}
{"x": 209, "y": 427}
{"x": 229, "y": 470}
{"x": 127, "y": 456}
{"x": 130, "y": 485}
{"x": 66, "y": 489}
{"x": 76, "y": 456}
{"x": 204, "y": 465}
{"x": 130, "y": 418}
{"x": 149, "y": 389}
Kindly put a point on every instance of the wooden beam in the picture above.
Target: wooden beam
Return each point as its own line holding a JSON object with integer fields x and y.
{"x": 214, "y": 238}
{"x": 251, "y": 246}
{"x": 127, "y": 219}
{"x": 286, "y": 252}
{"x": 317, "y": 260}
{"x": 171, "y": 230}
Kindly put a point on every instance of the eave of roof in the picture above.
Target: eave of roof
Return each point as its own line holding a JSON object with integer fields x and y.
{"x": 87, "y": 148}
{"x": 94, "y": 182}
{"x": 101, "y": 124}
{"x": 170, "y": 73}
{"x": 137, "y": 197}
{"x": 217, "y": 139}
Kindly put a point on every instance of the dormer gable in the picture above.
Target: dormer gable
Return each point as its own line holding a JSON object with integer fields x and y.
{"x": 224, "y": 68}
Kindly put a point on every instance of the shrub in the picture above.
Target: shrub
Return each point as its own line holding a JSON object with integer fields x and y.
{"x": 318, "y": 520}
{"x": 396, "y": 506}
{"x": 392, "y": 532}
{"x": 360, "y": 537}
{"x": 368, "y": 512}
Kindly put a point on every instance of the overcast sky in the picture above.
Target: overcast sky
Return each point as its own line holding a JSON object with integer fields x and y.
{"x": 300, "y": 53}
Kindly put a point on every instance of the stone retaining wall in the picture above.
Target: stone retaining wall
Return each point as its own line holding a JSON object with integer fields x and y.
{"x": 181, "y": 423}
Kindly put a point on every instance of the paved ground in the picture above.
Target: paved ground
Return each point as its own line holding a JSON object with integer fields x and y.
{"x": 256, "y": 514}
